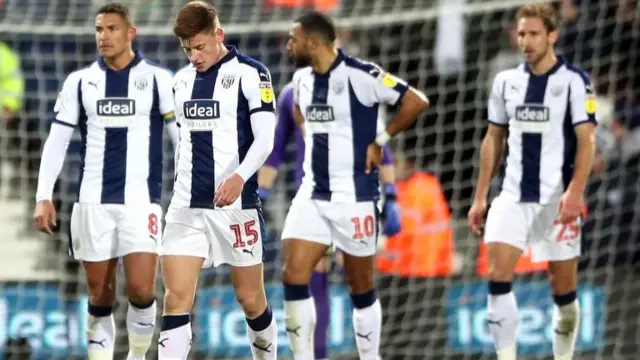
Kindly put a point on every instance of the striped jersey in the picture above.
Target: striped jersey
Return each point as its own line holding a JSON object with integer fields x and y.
{"x": 340, "y": 110}
{"x": 120, "y": 118}
{"x": 541, "y": 112}
{"x": 213, "y": 110}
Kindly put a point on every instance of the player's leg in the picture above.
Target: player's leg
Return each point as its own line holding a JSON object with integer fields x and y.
{"x": 505, "y": 241}
{"x": 184, "y": 249}
{"x": 139, "y": 232}
{"x": 93, "y": 232}
{"x": 101, "y": 288}
{"x": 566, "y": 310}
{"x": 355, "y": 230}
{"x": 562, "y": 249}
{"x": 262, "y": 330}
{"x": 320, "y": 293}
{"x": 140, "y": 275}
{"x": 300, "y": 258}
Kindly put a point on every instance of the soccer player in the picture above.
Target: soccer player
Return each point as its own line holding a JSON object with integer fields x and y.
{"x": 336, "y": 100}
{"x": 120, "y": 104}
{"x": 226, "y": 114}
{"x": 286, "y": 128}
{"x": 547, "y": 107}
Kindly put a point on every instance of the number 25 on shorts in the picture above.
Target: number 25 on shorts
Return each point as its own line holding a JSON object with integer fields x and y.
{"x": 249, "y": 237}
{"x": 362, "y": 228}
{"x": 568, "y": 232}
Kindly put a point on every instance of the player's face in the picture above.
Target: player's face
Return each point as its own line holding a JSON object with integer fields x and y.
{"x": 203, "y": 50}
{"x": 113, "y": 35}
{"x": 298, "y": 46}
{"x": 534, "y": 40}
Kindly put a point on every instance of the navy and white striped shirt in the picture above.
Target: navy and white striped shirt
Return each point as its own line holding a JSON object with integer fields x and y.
{"x": 541, "y": 112}
{"x": 213, "y": 110}
{"x": 340, "y": 110}
{"x": 120, "y": 115}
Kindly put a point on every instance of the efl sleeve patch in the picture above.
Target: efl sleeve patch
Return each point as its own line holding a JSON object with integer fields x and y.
{"x": 389, "y": 81}
{"x": 266, "y": 92}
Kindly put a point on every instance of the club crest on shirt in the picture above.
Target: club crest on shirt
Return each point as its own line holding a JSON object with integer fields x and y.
{"x": 227, "y": 81}
{"x": 556, "y": 90}
{"x": 266, "y": 92}
{"x": 338, "y": 87}
{"x": 141, "y": 84}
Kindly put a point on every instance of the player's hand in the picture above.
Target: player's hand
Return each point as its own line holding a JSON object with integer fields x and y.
{"x": 374, "y": 156}
{"x": 571, "y": 206}
{"x": 475, "y": 217}
{"x": 45, "y": 216}
{"x": 229, "y": 191}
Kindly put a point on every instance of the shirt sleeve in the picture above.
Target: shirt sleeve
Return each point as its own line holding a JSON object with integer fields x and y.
{"x": 263, "y": 124}
{"x": 376, "y": 86}
{"x": 582, "y": 99}
{"x": 496, "y": 109}
{"x": 257, "y": 88}
{"x": 67, "y": 107}
{"x": 164, "y": 80}
{"x": 285, "y": 124}
{"x": 53, "y": 154}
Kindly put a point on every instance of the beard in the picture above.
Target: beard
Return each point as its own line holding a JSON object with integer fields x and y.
{"x": 300, "y": 61}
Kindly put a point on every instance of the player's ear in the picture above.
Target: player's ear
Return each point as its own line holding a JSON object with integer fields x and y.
{"x": 131, "y": 33}
{"x": 220, "y": 35}
{"x": 553, "y": 37}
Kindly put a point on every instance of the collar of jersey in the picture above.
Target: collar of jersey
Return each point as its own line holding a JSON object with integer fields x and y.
{"x": 334, "y": 65}
{"x": 553, "y": 69}
{"x": 230, "y": 55}
{"x": 136, "y": 59}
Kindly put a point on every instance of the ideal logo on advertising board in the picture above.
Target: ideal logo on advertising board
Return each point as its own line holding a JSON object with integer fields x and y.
{"x": 468, "y": 332}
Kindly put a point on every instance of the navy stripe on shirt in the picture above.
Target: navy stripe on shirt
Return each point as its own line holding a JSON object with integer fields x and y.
{"x": 156, "y": 127}
{"x": 114, "y": 168}
{"x": 364, "y": 122}
{"x": 320, "y": 149}
{"x": 202, "y": 164}
{"x": 532, "y": 144}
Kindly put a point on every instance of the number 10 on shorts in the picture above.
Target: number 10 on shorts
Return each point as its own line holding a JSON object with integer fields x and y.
{"x": 363, "y": 227}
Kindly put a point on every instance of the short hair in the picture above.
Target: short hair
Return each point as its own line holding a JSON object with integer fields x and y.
{"x": 542, "y": 10}
{"x": 194, "y": 18}
{"x": 315, "y": 22}
{"x": 116, "y": 8}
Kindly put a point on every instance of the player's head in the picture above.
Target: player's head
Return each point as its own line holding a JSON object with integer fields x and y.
{"x": 114, "y": 30}
{"x": 310, "y": 33}
{"x": 537, "y": 30}
{"x": 198, "y": 28}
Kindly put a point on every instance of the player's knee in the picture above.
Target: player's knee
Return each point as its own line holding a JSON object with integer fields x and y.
{"x": 293, "y": 274}
{"x": 177, "y": 302}
{"x": 101, "y": 292}
{"x": 140, "y": 292}
{"x": 561, "y": 284}
{"x": 252, "y": 302}
{"x": 500, "y": 274}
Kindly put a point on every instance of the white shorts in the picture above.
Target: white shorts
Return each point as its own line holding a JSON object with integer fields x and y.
{"x": 220, "y": 236}
{"x": 101, "y": 232}
{"x": 534, "y": 225}
{"x": 352, "y": 227}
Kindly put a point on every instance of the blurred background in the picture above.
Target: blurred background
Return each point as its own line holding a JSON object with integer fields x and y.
{"x": 450, "y": 49}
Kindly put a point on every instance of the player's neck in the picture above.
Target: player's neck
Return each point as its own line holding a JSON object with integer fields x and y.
{"x": 222, "y": 52}
{"x": 544, "y": 65}
{"x": 121, "y": 61}
{"x": 322, "y": 63}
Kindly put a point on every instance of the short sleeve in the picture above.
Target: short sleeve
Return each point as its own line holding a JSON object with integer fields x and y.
{"x": 296, "y": 87}
{"x": 582, "y": 99}
{"x": 389, "y": 89}
{"x": 164, "y": 80}
{"x": 67, "y": 107}
{"x": 258, "y": 90}
{"x": 496, "y": 108}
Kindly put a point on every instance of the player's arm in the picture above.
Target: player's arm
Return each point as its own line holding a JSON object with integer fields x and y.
{"x": 167, "y": 104}
{"x": 258, "y": 90}
{"x": 297, "y": 114}
{"x": 66, "y": 117}
{"x": 493, "y": 143}
{"x": 583, "y": 110}
{"x": 391, "y": 90}
{"x": 284, "y": 127}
